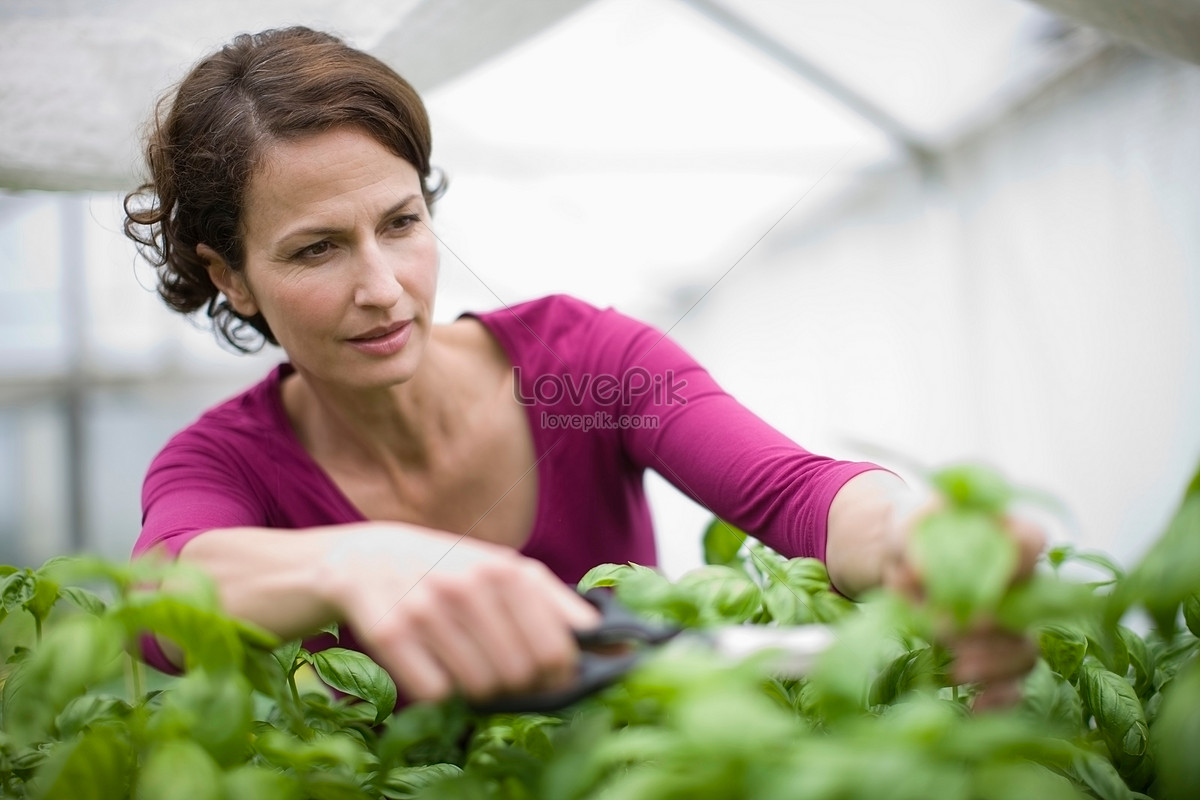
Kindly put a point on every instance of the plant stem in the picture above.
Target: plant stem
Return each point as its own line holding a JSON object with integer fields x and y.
{"x": 133, "y": 674}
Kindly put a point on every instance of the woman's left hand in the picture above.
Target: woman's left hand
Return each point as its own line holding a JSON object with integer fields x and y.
{"x": 987, "y": 655}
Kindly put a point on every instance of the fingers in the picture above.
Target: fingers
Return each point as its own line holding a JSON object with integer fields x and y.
{"x": 1031, "y": 541}
{"x": 504, "y": 625}
{"x": 996, "y": 659}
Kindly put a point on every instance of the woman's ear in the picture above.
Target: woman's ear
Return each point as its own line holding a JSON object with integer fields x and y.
{"x": 232, "y": 284}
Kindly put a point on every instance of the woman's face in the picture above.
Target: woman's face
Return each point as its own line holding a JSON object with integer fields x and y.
{"x": 339, "y": 258}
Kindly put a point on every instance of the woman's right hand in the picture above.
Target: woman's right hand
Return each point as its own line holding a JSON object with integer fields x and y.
{"x": 443, "y": 613}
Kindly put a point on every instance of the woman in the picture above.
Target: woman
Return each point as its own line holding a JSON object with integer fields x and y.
{"x": 436, "y": 488}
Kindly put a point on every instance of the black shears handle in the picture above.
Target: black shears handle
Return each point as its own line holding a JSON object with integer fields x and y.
{"x": 606, "y": 653}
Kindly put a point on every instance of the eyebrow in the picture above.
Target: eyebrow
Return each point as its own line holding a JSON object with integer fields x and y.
{"x": 326, "y": 231}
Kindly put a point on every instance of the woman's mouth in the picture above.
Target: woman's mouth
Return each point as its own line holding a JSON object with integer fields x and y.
{"x": 383, "y": 341}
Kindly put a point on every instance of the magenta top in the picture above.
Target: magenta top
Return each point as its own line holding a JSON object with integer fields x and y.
{"x": 606, "y": 397}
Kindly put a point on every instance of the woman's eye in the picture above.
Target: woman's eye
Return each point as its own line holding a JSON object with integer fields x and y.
{"x": 313, "y": 250}
{"x": 402, "y": 222}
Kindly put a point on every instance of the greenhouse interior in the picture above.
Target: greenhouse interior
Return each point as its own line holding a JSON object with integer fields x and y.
{"x": 918, "y": 517}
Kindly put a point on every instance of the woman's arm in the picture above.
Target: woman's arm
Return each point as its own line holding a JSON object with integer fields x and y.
{"x": 487, "y": 620}
{"x": 862, "y": 517}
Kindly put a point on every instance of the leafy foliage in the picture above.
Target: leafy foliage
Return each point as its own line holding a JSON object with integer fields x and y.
{"x": 1109, "y": 712}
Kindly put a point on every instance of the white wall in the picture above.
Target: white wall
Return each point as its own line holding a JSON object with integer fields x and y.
{"x": 1033, "y": 301}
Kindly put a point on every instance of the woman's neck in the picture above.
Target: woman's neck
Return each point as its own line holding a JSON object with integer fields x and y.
{"x": 398, "y": 427}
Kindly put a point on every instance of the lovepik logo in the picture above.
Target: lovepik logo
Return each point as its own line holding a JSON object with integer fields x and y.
{"x": 603, "y": 389}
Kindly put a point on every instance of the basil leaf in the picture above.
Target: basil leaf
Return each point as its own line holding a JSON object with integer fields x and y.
{"x": 1141, "y": 658}
{"x": 974, "y": 487}
{"x": 78, "y": 652}
{"x": 1052, "y": 700}
{"x": 1063, "y": 647}
{"x": 97, "y": 766}
{"x": 84, "y": 599}
{"x": 721, "y": 593}
{"x": 966, "y": 561}
{"x": 410, "y": 781}
{"x": 1098, "y": 774}
{"x": 356, "y": 674}
{"x": 286, "y": 654}
{"x": 722, "y": 543}
{"x": 787, "y": 605}
{"x": 87, "y": 710}
{"x": 608, "y": 575}
{"x": 215, "y": 710}
{"x": 250, "y": 782}
{"x": 1176, "y": 732}
{"x": 1191, "y": 614}
{"x": 1117, "y": 710}
{"x": 179, "y": 769}
{"x": 1170, "y": 570}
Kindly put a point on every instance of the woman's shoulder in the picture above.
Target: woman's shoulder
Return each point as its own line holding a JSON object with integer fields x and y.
{"x": 550, "y": 310}
{"x": 558, "y": 325}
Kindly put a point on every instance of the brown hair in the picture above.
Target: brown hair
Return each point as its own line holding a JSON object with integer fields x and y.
{"x": 209, "y": 136}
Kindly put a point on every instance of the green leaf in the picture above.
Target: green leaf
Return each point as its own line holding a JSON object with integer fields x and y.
{"x": 723, "y": 543}
{"x": 1117, "y": 710}
{"x": 787, "y": 605}
{"x": 332, "y": 786}
{"x": 768, "y": 565}
{"x": 1170, "y": 570}
{"x": 209, "y": 639}
{"x": 16, "y": 590}
{"x": 73, "y": 654}
{"x": 45, "y": 595}
{"x": 179, "y": 769}
{"x": 87, "y": 710}
{"x": 1176, "y": 733}
{"x": 1108, "y": 646}
{"x": 807, "y": 574}
{"x": 722, "y": 593}
{"x": 1141, "y": 658}
{"x": 265, "y": 675}
{"x": 1102, "y": 561}
{"x": 830, "y": 607}
{"x": 407, "y": 782}
{"x": 323, "y": 751}
{"x": 1020, "y": 781}
{"x": 97, "y": 766}
{"x": 1042, "y": 599}
{"x": 423, "y": 733}
{"x": 1052, "y": 700}
{"x": 214, "y": 710}
{"x": 287, "y": 653}
{"x": 1063, "y": 646}
{"x": 123, "y": 576}
{"x": 84, "y": 599}
{"x": 973, "y": 487}
{"x": 609, "y": 575}
{"x": 356, "y": 674}
{"x": 1191, "y": 613}
{"x": 915, "y": 669}
{"x": 966, "y": 560}
{"x": 1098, "y": 774}
{"x": 649, "y": 593}
{"x": 250, "y": 782}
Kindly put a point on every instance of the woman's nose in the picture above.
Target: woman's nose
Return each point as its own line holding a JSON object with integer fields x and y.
{"x": 378, "y": 281}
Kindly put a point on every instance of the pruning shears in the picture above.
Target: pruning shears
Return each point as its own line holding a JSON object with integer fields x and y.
{"x": 622, "y": 639}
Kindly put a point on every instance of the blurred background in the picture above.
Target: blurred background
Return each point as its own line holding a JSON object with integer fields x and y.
{"x": 914, "y": 232}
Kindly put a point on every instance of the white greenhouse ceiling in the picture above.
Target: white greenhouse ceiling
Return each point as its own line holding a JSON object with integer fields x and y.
{"x": 563, "y": 86}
